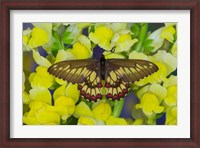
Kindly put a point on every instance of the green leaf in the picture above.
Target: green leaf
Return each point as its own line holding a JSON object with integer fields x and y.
{"x": 56, "y": 44}
{"x": 91, "y": 29}
{"x": 70, "y": 121}
{"x": 147, "y": 43}
{"x": 66, "y": 37}
{"x": 135, "y": 29}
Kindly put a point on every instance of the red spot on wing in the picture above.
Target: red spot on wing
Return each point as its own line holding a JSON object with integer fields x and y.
{"x": 107, "y": 85}
{"x": 99, "y": 85}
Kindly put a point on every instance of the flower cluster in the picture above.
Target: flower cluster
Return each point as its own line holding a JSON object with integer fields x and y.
{"x": 51, "y": 101}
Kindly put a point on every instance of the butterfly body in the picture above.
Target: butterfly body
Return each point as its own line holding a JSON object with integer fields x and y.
{"x": 118, "y": 74}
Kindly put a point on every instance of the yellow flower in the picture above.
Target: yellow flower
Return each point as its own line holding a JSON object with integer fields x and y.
{"x": 123, "y": 41}
{"x": 60, "y": 91}
{"x": 82, "y": 109}
{"x": 174, "y": 49}
{"x": 41, "y": 78}
{"x": 117, "y": 27}
{"x": 171, "y": 98}
{"x": 86, "y": 121}
{"x": 172, "y": 80}
{"x": 97, "y": 116}
{"x": 138, "y": 55}
{"x": 44, "y": 113}
{"x": 102, "y": 111}
{"x": 40, "y": 60}
{"x": 168, "y": 33}
{"x": 39, "y": 114}
{"x": 38, "y": 37}
{"x": 26, "y": 98}
{"x": 26, "y": 36}
{"x": 70, "y": 90}
{"x": 158, "y": 36}
{"x": 40, "y": 94}
{"x": 115, "y": 121}
{"x": 81, "y": 51}
{"x": 171, "y": 116}
{"x": 138, "y": 122}
{"x": 63, "y": 55}
{"x": 168, "y": 59}
{"x": 150, "y": 104}
{"x": 65, "y": 106}
{"x": 102, "y": 36}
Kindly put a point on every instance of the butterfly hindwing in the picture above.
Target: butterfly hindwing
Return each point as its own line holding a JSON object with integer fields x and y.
{"x": 120, "y": 73}
{"x": 86, "y": 73}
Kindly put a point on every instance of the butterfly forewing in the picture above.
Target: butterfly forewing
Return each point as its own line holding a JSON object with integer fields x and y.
{"x": 84, "y": 72}
{"x": 74, "y": 71}
{"x": 120, "y": 73}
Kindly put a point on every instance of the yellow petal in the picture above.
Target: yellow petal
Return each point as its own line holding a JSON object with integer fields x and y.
{"x": 172, "y": 80}
{"x": 174, "y": 49}
{"x": 23, "y": 81}
{"x": 72, "y": 92}
{"x": 102, "y": 111}
{"x": 138, "y": 122}
{"x": 171, "y": 116}
{"x": 36, "y": 105}
{"x": 84, "y": 41}
{"x": 150, "y": 104}
{"x": 65, "y": 106}
{"x": 138, "y": 55}
{"x": 168, "y": 59}
{"x": 45, "y": 26}
{"x": 158, "y": 90}
{"x": 117, "y": 27}
{"x": 61, "y": 81}
{"x": 42, "y": 78}
{"x": 171, "y": 99}
{"x": 142, "y": 91}
{"x": 40, "y": 94}
{"x": 82, "y": 109}
{"x": 63, "y": 55}
{"x": 39, "y": 81}
{"x": 124, "y": 43}
{"x": 45, "y": 117}
{"x": 102, "y": 36}
{"x": 26, "y": 99}
{"x": 81, "y": 51}
{"x": 109, "y": 55}
{"x": 40, "y": 60}
{"x": 60, "y": 91}
{"x": 86, "y": 121}
{"x": 168, "y": 33}
{"x": 38, "y": 38}
{"x": 30, "y": 120}
{"x": 115, "y": 121}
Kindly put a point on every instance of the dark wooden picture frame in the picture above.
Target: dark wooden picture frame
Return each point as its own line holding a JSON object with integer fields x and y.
{"x": 192, "y": 5}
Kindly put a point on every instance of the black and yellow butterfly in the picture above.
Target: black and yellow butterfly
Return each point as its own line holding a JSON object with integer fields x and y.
{"x": 89, "y": 73}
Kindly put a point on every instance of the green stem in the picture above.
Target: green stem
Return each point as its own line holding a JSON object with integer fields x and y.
{"x": 142, "y": 35}
{"x": 118, "y": 108}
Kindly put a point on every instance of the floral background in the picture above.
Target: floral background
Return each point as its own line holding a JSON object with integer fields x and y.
{"x": 51, "y": 101}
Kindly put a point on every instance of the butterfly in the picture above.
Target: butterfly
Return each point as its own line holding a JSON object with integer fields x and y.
{"x": 118, "y": 74}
